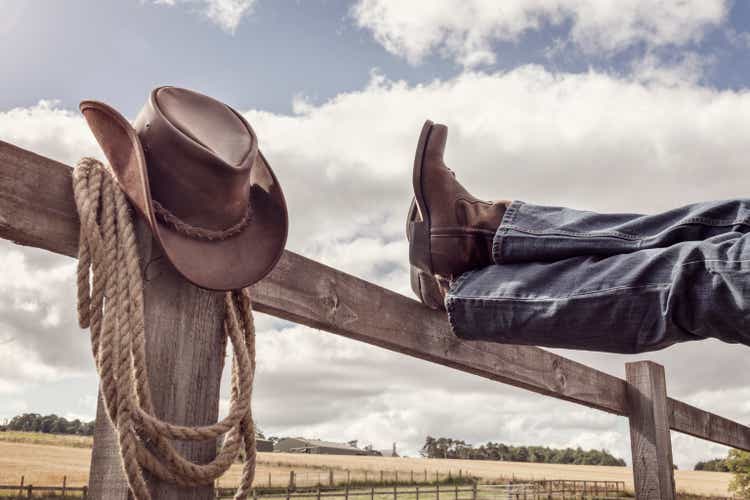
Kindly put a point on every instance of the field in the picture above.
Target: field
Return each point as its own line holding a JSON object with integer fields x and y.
{"x": 46, "y": 464}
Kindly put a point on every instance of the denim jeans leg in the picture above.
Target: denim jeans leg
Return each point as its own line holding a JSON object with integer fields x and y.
{"x": 641, "y": 300}
{"x": 531, "y": 233}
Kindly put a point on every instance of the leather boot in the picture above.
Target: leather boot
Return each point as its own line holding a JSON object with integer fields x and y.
{"x": 450, "y": 231}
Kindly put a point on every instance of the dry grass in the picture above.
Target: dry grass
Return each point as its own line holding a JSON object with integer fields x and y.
{"x": 47, "y": 439}
{"x": 47, "y": 464}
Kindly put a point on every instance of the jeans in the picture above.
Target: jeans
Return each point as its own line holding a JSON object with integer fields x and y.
{"x": 624, "y": 283}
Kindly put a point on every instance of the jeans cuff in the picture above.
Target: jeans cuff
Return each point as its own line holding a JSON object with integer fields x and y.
{"x": 508, "y": 218}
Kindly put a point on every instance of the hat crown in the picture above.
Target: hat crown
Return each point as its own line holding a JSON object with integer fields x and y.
{"x": 200, "y": 153}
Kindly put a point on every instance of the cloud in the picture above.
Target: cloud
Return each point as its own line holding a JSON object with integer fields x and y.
{"x": 590, "y": 140}
{"x": 227, "y": 14}
{"x": 465, "y": 30}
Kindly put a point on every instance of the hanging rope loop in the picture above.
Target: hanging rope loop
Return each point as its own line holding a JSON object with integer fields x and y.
{"x": 110, "y": 304}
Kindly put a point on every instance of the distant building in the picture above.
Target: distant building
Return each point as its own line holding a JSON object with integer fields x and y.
{"x": 315, "y": 446}
{"x": 390, "y": 452}
{"x": 263, "y": 444}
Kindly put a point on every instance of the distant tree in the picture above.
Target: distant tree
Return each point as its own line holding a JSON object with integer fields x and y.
{"x": 50, "y": 424}
{"x": 443, "y": 447}
{"x": 715, "y": 465}
{"x": 739, "y": 465}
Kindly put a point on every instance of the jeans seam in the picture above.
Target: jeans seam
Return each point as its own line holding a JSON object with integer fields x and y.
{"x": 724, "y": 261}
{"x": 617, "y": 234}
{"x": 553, "y": 299}
{"x": 505, "y": 224}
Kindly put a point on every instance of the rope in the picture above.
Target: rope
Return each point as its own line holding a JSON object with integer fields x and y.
{"x": 110, "y": 303}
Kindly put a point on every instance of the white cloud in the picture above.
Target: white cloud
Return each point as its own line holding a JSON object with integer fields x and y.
{"x": 588, "y": 140}
{"x": 465, "y": 30}
{"x": 227, "y": 14}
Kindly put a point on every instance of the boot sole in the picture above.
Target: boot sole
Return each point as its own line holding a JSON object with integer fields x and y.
{"x": 423, "y": 283}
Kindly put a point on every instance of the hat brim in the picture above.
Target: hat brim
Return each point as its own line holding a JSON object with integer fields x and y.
{"x": 228, "y": 264}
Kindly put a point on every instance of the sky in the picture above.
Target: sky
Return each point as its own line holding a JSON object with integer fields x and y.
{"x": 613, "y": 106}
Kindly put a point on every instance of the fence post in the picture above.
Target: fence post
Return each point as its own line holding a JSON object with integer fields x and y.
{"x": 412, "y": 476}
{"x": 474, "y": 491}
{"x": 653, "y": 472}
{"x": 179, "y": 318}
{"x": 381, "y": 477}
{"x": 348, "y": 476}
{"x": 269, "y": 480}
{"x": 85, "y": 492}
{"x": 417, "y": 495}
{"x": 65, "y": 481}
{"x": 395, "y": 495}
{"x": 330, "y": 477}
{"x": 437, "y": 491}
{"x": 20, "y": 487}
{"x": 291, "y": 480}
{"x": 29, "y": 491}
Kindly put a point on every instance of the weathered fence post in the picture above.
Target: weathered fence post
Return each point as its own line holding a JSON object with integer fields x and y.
{"x": 184, "y": 356}
{"x": 65, "y": 483}
{"x": 650, "y": 441}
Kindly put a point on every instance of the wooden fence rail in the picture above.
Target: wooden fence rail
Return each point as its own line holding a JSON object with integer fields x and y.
{"x": 37, "y": 209}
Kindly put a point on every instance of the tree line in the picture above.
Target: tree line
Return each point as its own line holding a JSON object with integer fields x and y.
{"x": 455, "y": 448}
{"x": 48, "y": 424}
{"x": 715, "y": 465}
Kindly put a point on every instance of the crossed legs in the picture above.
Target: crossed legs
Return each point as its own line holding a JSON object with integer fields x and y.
{"x": 627, "y": 283}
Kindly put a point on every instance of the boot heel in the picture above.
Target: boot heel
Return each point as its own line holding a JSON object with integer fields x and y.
{"x": 419, "y": 248}
{"x": 425, "y": 286}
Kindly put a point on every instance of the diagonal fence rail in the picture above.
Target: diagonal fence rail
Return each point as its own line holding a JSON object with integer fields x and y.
{"x": 37, "y": 209}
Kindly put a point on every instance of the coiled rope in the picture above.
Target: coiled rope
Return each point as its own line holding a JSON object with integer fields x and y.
{"x": 110, "y": 303}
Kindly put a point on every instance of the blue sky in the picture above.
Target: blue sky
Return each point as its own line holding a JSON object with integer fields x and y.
{"x": 115, "y": 50}
{"x": 613, "y": 105}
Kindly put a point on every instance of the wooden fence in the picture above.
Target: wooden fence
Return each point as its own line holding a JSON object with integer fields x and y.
{"x": 533, "y": 490}
{"x": 334, "y": 477}
{"x": 37, "y": 209}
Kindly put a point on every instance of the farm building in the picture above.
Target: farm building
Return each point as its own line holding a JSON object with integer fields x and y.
{"x": 263, "y": 444}
{"x": 389, "y": 452}
{"x": 315, "y": 446}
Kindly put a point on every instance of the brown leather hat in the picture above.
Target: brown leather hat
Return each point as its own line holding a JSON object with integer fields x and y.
{"x": 191, "y": 166}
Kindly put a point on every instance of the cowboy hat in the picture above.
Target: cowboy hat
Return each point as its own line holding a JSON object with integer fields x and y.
{"x": 190, "y": 165}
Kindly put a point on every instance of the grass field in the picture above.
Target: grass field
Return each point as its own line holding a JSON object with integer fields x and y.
{"x": 44, "y": 460}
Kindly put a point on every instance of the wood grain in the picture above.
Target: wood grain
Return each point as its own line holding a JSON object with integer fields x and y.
{"x": 36, "y": 208}
{"x": 696, "y": 422}
{"x": 185, "y": 352}
{"x": 650, "y": 440}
